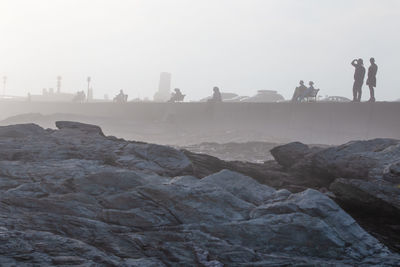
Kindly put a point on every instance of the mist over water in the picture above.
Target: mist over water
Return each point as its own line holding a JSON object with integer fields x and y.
{"x": 240, "y": 46}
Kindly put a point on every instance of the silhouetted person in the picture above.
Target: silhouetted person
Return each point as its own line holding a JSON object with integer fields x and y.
{"x": 121, "y": 97}
{"x": 177, "y": 96}
{"x": 299, "y": 92}
{"x": 359, "y": 76}
{"x": 309, "y": 91}
{"x": 217, "y": 97}
{"x": 371, "y": 80}
{"x": 311, "y": 88}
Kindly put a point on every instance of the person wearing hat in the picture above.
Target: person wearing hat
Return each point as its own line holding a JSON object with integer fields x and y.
{"x": 359, "y": 76}
{"x": 371, "y": 80}
{"x": 299, "y": 92}
{"x": 310, "y": 89}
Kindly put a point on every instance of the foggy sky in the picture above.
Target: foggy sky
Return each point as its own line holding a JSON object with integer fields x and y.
{"x": 239, "y": 45}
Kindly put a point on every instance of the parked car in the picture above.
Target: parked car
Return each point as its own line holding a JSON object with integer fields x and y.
{"x": 335, "y": 99}
{"x": 263, "y": 96}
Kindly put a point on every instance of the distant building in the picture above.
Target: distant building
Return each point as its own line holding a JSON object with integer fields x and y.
{"x": 164, "y": 88}
{"x": 59, "y": 78}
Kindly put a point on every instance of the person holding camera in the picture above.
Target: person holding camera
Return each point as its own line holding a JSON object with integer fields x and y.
{"x": 359, "y": 76}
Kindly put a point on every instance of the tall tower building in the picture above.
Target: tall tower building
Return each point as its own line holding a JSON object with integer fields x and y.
{"x": 164, "y": 88}
{"x": 59, "y": 84}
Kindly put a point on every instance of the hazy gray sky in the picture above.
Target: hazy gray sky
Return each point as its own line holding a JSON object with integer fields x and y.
{"x": 240, "y": 45}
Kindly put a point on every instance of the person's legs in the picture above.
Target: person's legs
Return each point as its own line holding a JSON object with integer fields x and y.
{"x": 359, "y": 90}
{"x": 372, "y": 93}
{"x": 354, "y": 91}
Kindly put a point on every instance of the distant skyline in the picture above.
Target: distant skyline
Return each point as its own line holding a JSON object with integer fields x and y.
{"x": 239, "y": 45}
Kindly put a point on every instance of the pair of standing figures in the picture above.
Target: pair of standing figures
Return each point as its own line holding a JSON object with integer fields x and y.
{"x": 359, "y": 76}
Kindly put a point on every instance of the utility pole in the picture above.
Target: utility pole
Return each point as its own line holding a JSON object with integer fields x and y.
{"x": 59, "y": 78}
{"x": 89, "y": 79}
{"x": 4, "y": 85}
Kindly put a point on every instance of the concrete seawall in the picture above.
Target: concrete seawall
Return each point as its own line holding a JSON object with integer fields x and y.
{"x": 328, "y": 123}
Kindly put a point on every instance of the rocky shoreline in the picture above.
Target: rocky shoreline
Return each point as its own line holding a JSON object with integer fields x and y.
{"x": 74, "y": 196}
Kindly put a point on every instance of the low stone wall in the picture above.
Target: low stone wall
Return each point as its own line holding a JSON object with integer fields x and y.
{"x": 328, "y": 123}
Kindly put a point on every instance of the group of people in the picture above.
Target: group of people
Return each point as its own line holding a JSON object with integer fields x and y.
{"x": 177, "y": 96}
{"x": 359, "y": 76}
{"x": 302, "y": 92}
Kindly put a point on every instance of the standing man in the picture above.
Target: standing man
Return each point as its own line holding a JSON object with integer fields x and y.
{"x": 359, "y": 76}
{"x": 371, "y": 80}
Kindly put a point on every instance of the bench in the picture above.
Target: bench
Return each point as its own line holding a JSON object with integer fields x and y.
{"x": 312, "y": 96}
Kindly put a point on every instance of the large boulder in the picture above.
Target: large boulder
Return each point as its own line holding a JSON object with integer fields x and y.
{"x": 86, "y": 143}
{"x": 375, "y": 205}
{"x": 357, "y": 159}
{"x": 377, "y": 159}
{"x": 269, "y": 172}
{"x": 76, "y": 198}
{"x": 289, "y": 154}
{"x": 20, "y": 130}
{"x": 363, "y": 176}
{"x": 86, "y": 128}
{"x": 223, "y": 219}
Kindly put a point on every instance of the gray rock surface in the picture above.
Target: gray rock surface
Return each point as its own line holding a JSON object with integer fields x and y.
{"x": 289, "y": 154}
{"x": 87, "y": 128}
{"x": 372, "y": 159}
{"x": 364, "y": 177}
{"x": 269, "y": 172}
{"x": 75, "y": 197}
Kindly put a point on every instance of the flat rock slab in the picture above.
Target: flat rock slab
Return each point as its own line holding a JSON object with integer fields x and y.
{"x": 88, "y": 128}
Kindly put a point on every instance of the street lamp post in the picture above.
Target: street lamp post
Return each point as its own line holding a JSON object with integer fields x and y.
{"x": 59, "y": 78}
{"x": 4, "y": 85}
{"x": 89, "y": 79}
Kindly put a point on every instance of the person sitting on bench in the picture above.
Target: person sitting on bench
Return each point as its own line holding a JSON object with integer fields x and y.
{"x": 121, "y": 97}
{"x": 216, "y": 97}
{"x": 311, "y": 92}
{"x": 177, "y": 96}
{"x": 299, "y": 92}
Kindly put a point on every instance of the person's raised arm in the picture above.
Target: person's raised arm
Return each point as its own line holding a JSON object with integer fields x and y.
{"x": 354, "y": 63}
